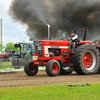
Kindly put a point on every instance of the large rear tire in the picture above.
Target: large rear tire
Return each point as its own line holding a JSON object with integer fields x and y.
{"x": 86, "y": 60}
{"x": 29, "y": 69}
{"x": 53, "y": 68}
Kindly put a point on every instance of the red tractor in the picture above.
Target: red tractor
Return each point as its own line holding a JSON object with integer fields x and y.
{"x": 56, "y": 56}
{"x": 8, "y": 56}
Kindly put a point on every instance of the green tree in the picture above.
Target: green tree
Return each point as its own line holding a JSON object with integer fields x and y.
{"x": 2, "y": 47}
{"x": 10, "y": 46}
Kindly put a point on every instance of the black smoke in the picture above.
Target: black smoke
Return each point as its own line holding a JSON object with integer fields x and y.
{"x": 62, "y": 15}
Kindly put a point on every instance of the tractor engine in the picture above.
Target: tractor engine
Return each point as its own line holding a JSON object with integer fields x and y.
{"x": 51, "y": 49}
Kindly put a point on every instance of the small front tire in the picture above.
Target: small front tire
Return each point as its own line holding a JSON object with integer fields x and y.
{"x": 29, "y": 69}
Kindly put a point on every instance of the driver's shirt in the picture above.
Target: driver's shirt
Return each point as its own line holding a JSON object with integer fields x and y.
{"x": 75, "y": 38}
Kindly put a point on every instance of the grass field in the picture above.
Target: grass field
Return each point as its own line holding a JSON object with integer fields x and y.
{"x": 6, "y": 65}
{"x": 52, "y": 92}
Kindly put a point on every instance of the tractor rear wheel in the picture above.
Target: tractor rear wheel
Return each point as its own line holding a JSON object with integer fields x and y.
{"x": 53, "y": 68}
{"x": 29, "y": 69}
{"x": 86, "y": 60}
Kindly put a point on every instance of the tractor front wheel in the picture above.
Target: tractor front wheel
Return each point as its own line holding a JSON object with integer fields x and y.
{"x": 29, "y": 69}
{"x": 53, "y": 68}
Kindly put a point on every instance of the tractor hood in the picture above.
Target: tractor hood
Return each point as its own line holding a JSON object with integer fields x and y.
{"x": 52, "y": 42}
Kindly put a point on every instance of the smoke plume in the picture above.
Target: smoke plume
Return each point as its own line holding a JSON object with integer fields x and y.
{"x": 62, "y": 15}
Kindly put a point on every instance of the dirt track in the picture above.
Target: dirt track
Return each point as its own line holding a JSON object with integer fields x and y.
{"x": 20, "y": 79}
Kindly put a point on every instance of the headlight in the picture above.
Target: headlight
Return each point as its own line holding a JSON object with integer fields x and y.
{"x": 34, "y": 42}
{"x": 37, "y": 42}
{"x": 40, "y": 42}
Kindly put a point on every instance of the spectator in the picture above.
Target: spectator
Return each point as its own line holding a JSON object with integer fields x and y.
{"x": 97, "y": 46}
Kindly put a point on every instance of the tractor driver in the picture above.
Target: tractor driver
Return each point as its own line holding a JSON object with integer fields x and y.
{"x": 74, "y": 38}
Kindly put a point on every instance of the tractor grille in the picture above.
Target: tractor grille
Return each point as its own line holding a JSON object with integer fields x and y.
{"x": 39, "y": 50}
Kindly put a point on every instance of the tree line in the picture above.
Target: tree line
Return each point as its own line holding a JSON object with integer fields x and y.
{"x": 8, "y": 46}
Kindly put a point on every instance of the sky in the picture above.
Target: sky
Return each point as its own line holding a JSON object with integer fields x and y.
{"x": 11, "y": 31}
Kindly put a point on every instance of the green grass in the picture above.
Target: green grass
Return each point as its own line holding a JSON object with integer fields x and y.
{"x": 6, "y": 65}
{"x": 52, "y": 92}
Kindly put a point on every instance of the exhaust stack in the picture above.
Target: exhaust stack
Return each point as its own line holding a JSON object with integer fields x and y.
{"x": 84, "y": 38}
{"x": 49, "y": 37}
